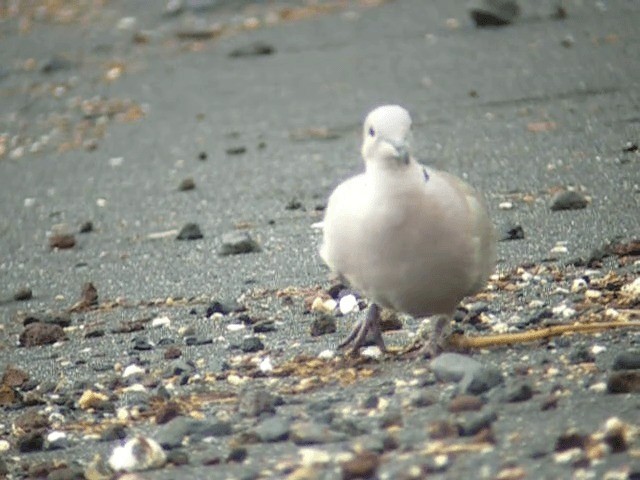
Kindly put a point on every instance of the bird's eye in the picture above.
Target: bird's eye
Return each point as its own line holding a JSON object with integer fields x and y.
{"x": 372, "y": 132}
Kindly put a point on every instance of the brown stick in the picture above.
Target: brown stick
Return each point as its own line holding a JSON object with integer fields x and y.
{"x": 458, "y": 341}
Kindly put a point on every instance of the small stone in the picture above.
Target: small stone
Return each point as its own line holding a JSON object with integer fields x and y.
{"x": 167, "y": 412}
{"x": 224, "y": 308}
{"x": 465, "y": 403}
{"x": 625, "y": 381}
{"x": 494, "y": 13}
{"x": 23, "y": 294}
{"x": 627, "y": 360}
{"x": 39, "y": 333}
{"x": 452, "y": 367}
{"x": 389, "y": 321}
{"x": 14, "y": 377}
{"x": 511, "y": 231}
{"x": 481, "y": 380}
{"x": 56, "y": 63}
{"x": 473, "y": 424}
{"x": 31, "y": 442}
{"x": 274, "y": 429}
{"x": 173, "y": 352}
{"x": 114, "y": 432}
{"x": 294, "y": 204}
{"x": 310, "y": 433}
{"x": 348, "y": 304}
{"x": 238, "y": 242}
{"x": 363, "y": 465}
{"x": 91, "y": 399}
{"x": 322, "y": 324}
{"x": 187, "y": 184}
{"x": 568, "y": 200}
{"x": 136, "y": 455}
{"x": 62, "y": 241}
{"x": 519, "y": 393}
{"x": 191, "y": 231}
{"x": 252, "y": 50}
{"x": 237, "y": 455}
{"x": 236, "y": 150}
{"x": 251, "y": 344}
{"x": 86, "y": 227}
{"x": 581, "y": 354}
{"x": 254, "y": 402}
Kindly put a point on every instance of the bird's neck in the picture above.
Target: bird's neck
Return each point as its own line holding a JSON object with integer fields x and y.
{"x": 389, "y": 174}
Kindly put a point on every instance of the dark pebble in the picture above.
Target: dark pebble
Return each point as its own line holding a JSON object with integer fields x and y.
{"x": 23, "y": 294}
{"x": 62, "y": 241}
{"x": 494, "y": 13}
{"x": 570, "y": 439}
{"x": 193, "y": 341}
{"x": 264, "y": 326}
{"x": 237, "y": 455}
{"x": 626, "y": 381}
{"x": 293, "y": 204}
{"x": 251, "y": 344}
{"x": 94, "y": 333}
{"x": 520, "y": 392}
{"x": 474, "y": 423}
{"x": 422, "y": 399}
{"x": 627, "y": 360}
{"x": 362, "y": 466}
{"x": 568, "y": 200}
{"x": 511, "y": 231}
{"x": 142, "y": 344}
{"x": 114, "y": 432}
{"x": 274, "y": 429}
{"x": 481, "y": 380}
{"x": 236, "y": 150}
{"x": 31, "y": 442}
{"x": 389, "y": 321}
{"x": 167, "y": 412}
{"x": 187, "y": 184}
{"x": 224, "y": 308}
{"x": 36, "y": 334}
{"x": 56, "y": 63}
{"x": 237, "y": 242}
{"x": 191, "y": 231}
{"x": 322, "y": 324}
{"x": 170, "y": 435}
{"x": 440, "y": 429}
{"x": 581, "y": 354}
{"x": 252, "y": 50}
{"x": 254, "y": 402}
{"x": 172, "y": 353}
{"x": 86, "y": 227}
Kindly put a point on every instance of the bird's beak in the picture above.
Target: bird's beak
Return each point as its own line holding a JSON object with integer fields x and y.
{"x": 401, "y": 148}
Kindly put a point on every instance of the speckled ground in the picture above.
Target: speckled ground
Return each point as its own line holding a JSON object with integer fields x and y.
{"x": 108, "y": 109}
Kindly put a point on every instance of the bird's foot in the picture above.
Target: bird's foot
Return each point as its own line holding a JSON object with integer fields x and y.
{"x": 363, "y": 330}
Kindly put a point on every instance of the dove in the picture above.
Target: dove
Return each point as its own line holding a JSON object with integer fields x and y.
{"x": 409, "y": 237}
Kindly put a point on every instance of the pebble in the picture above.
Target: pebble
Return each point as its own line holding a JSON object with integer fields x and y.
{"x": 493, "y": 13}
{"x": 136, "y": 455}
{"x": 187, "y": 184}
{"x": 474, "y": 423}
{"x": 172, "y": 434}
{"x": 363, "y": 465}
{"x": 90, "y": 399}
{"x": 474, "y": 377}
{"x": 348, "y": 304}
{"x": 253, "y": 402}
{"x": 39, "y": 333}
{"x": 86, "y": 227}
{"x": 62, "y": 241}
{"x": 520, "y": 392}
{"x": 237, "y": 242}
{"x": 251, "y": 344}
{"x": 465, "y": 403}
{"x": 625, "y": 381}
{"x": 23, "y": 294}
{"x": 568, "y": 200}
{"x": 322, "y": 324}
{"x": 56, "y": 440}
{"x": 14, "y": 376}
{"x": 30, "y": 442}
{"x": 311, "y": 433}
{"x": 274, "y": 429}
{"x": 629, "y": 360}
{"x": 253, "y": 49}
{"x": 511, "y": 231}
{"x": 191, "y": 231}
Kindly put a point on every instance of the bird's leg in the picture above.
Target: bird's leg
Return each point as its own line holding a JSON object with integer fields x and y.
{"x": 437, "y": 340}
{"x": 370, "y": 325}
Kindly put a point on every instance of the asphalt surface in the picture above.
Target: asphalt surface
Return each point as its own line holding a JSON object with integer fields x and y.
{"x": 135, "y": 106}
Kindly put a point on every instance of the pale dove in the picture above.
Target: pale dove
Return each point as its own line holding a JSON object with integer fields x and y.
{"x": 410, "y": 238}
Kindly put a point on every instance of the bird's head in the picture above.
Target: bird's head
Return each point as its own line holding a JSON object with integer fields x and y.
{"x": 386, "y": 136}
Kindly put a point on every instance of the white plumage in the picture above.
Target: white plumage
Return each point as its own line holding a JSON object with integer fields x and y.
{"x": 410, "y": 238}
